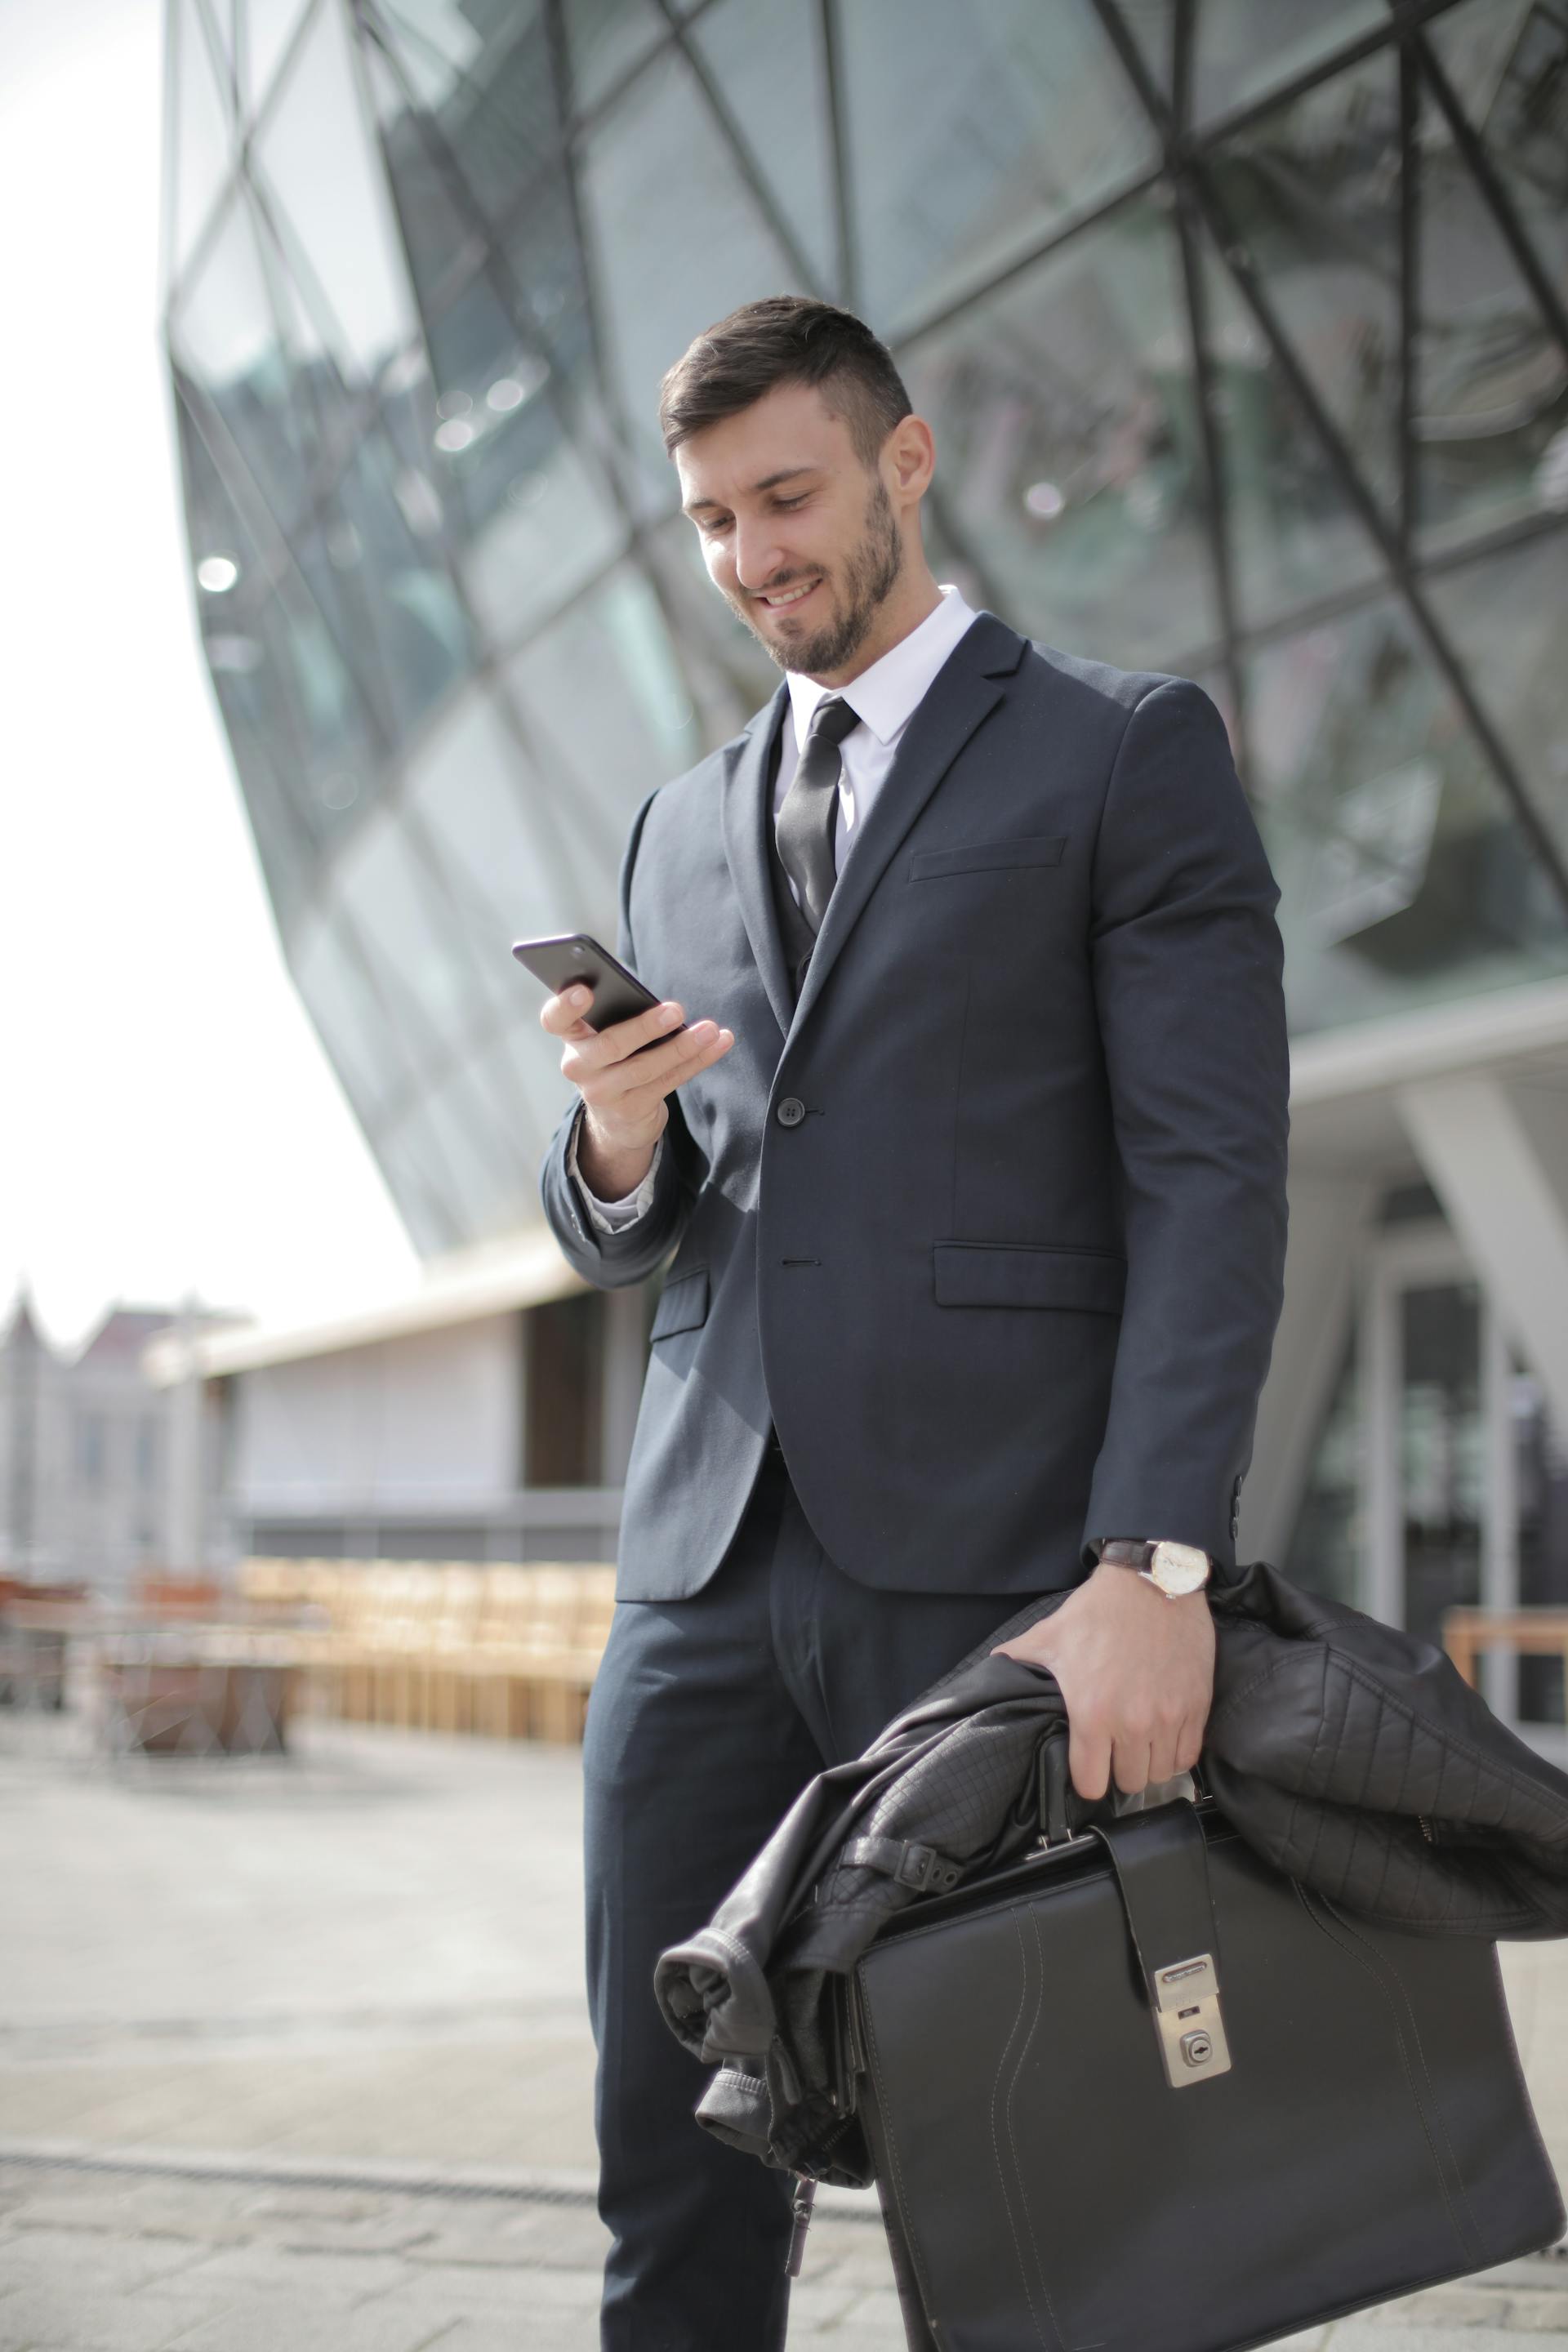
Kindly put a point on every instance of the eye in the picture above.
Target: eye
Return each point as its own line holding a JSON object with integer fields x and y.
{"x": 785, "y": 504}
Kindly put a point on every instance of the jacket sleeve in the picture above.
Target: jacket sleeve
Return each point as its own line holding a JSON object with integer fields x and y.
{"x": 613, "y": 1261}
{"x": 1187, "y": 966}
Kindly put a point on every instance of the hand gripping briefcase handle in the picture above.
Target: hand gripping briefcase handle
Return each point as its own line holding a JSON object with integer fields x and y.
{"x": 1144, "y": 2092}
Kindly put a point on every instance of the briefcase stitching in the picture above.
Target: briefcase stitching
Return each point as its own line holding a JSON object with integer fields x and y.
{"x": 1002, "y": 2178}
{"x": 900, "y": 2189}
{"x": 1378, "y": 1960}
{"x": 1472, "y": 2260}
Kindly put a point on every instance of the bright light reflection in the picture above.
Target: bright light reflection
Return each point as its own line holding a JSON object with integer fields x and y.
{"x": 217, "y": 574}
{"x": 456, "y": 434}
{"x": 1044, "y": 501}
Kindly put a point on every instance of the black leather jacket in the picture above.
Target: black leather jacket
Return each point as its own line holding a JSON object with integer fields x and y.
{"x": 1352, "y": 1756}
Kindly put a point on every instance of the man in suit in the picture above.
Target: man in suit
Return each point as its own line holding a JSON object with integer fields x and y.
{"x": 974, "y": 1169}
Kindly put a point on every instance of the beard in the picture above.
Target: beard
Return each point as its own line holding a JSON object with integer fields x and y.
{"x": 871, "y": 572}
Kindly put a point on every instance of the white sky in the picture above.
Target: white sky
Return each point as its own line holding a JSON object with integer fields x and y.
{"x": 167, "y": 1120}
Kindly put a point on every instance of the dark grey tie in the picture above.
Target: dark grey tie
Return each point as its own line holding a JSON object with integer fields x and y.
{"x": 805, "y": 831}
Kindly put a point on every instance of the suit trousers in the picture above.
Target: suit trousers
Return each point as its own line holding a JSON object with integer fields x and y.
{"x": 708, "y": 1717}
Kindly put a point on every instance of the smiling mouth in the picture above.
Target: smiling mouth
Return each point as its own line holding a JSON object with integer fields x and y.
{"x": 787, "y": 597}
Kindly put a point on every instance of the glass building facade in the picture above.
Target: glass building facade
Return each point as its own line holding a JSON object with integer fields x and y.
{"x": 1243, "y": 327}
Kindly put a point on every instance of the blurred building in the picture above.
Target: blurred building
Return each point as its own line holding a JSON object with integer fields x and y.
{"x": 85, "y": 1451}
{"x": 1244, "y": 330}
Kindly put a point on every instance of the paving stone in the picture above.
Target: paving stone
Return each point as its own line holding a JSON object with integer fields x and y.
{"x": 72, "y": 2314}
{"x": 1378, "y": 2335}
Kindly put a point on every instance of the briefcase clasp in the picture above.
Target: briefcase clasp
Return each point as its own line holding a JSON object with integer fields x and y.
{"x": 1191, "y": 2024}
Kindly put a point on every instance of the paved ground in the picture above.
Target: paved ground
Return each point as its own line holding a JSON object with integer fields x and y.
{"x": 294, "y": 2056}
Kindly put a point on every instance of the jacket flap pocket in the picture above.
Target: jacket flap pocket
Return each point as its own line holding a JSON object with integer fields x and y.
{"x": 973, "y": 856}
{"x": 682, "y": 1304}
{"x": 1007, "y": 1273}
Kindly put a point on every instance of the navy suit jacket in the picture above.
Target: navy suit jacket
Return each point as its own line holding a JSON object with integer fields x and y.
{"x": 991, "y": 1223}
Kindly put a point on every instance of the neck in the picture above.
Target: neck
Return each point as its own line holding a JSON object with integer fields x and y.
{"x": 914, "y": 600}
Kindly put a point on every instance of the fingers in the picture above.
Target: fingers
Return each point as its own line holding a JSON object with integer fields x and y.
{"x": 1089, "y": 1759}
{"x": 647, "y": 1055}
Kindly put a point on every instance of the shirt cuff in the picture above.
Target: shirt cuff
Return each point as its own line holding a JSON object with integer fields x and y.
{"x": 612, "y": 1216}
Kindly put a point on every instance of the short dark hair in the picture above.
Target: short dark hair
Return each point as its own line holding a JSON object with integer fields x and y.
{"x": 784, "y": 339}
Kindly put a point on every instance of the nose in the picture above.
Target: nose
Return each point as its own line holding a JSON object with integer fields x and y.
{"x": 759, "y": 559}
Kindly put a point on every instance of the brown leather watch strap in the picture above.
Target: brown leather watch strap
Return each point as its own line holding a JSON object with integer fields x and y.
{"x": 1123, "y": 1551}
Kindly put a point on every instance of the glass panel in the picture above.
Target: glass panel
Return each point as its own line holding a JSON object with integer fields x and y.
{"x": 1541, "y": 1486}
{"x": 317, "y": 703}
{"x": 1328, "y": 1545}
{"x": 488, "y": 78}
{"x": 204, "y": 135}
{"x": 1246, "y": 47}
{"x": 770, "y": 67}
{"x": 1027, "y": 108}
{"x": 551, "y": 528}
{"x": 435, "y": 208}
{"x": 1507, "y": 62}
{"x": 355, "y": 1026}
{"x": 604, "y": 712}
{"x": 1491, "y": 378}
{"x": 316, "y": 153}
{"x": 605, "y": 39}
{"x": 1065, "y": 420}
{"x": 564, "y": 1387}
{"x": 421, "y": 1183}
{"x": 422, "y": 635}
{"x": 1314, "y": 192}
{"x": 267, "y": 27}
{"x": 678, "y": 240}
{"x": 486, "y": 1183}
{"x": 1505, "y": 616}
{"x": 223, "y": 333}
{"x": 412, "y": 937}
{"x": 1153, "y": 24}
{"x": 1294, "y": 536}
{"x": 1404, "y": 880}
{"x": 1442, "y": 1454}
{"x": 507, "y": 849}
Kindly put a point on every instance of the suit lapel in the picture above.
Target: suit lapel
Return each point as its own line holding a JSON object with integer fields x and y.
{"x": 747, "y": 813}
{"x": 963, "y": 693}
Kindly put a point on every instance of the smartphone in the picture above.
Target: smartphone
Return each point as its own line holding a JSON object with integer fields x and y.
{"x": 618, "y": 994}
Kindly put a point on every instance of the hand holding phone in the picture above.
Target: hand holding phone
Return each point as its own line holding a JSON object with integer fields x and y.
{"x": 624, "y": 1049}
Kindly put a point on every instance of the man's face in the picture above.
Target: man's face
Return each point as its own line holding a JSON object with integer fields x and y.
{"x": 798, "y": 535}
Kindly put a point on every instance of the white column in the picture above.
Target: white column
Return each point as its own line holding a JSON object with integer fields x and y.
{"x": 1496, "y": 1153}
{"x": 1329, "y": 1218}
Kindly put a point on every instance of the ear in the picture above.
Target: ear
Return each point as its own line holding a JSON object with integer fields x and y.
{"x": 909, "y": 459}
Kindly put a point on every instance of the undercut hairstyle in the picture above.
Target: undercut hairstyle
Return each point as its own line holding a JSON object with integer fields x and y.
{"x": 785, "y": 338}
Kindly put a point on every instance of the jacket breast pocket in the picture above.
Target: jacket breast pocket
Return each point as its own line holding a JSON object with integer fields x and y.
{"x": 682, "y": 1304}
{"x": 1028, "y": 1274}
{"x": 980, "y": 857}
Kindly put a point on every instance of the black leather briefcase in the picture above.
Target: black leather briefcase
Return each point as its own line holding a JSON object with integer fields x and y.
{"x": 1142, "y": 2093}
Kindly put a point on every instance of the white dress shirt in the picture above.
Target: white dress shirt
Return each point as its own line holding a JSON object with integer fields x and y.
{"x": 884, "y": 698}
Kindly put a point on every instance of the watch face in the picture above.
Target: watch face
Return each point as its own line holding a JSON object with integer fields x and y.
{"x": 1178, "y": 1567}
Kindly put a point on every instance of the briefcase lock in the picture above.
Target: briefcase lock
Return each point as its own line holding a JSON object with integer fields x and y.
{"x": 1190, "y": 2027}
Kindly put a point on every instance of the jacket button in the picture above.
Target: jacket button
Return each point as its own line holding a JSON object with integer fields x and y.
{"x": 792, "y": 1111}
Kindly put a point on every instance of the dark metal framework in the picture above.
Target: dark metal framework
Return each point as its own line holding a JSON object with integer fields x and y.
{"x": 347, "y": 418}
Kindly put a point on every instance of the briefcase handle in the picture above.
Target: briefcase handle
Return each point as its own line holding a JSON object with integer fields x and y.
{"x": 1161, "y": 1861}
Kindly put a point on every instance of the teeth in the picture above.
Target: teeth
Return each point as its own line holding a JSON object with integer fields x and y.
{"x": 793, "y": 595}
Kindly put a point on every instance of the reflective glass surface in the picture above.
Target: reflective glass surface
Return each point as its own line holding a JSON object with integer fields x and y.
{"x": 1313, "y": 188}
{"x": 203, "y": 141}
{"x": 1404, "y": 880}
{"x": 771, "y": 71}
{"x": 1245, "y": 48}
{"x": 1506, "y": 616}
{"x": 1026, "y": 107}
{"x": 434, "y": 257}
{"x": 1293, "y": 530}
{"x": 314, "y": 158}
{"x": 1491, "y": 375}
{"x": 676, "y": 249}
{"x": 1067, "y": 428}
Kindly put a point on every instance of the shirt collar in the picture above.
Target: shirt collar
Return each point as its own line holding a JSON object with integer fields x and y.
{"x": 885, "y": 696}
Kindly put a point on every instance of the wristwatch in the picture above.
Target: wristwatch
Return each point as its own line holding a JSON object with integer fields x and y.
{"x": 1173, "y": 1568}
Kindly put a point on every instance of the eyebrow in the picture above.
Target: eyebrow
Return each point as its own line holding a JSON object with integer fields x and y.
{"x": 768, "y": 482}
